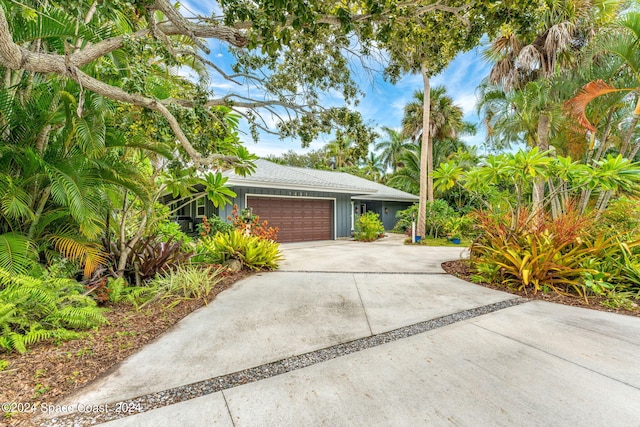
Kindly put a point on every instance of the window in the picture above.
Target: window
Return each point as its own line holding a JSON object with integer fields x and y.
{"x": 200, "y": 204}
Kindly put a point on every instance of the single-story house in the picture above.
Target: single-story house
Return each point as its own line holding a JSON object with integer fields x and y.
{"x": 305, "y": 204}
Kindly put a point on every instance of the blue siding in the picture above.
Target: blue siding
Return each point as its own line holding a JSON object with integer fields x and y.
{"x": 386, "y": 210}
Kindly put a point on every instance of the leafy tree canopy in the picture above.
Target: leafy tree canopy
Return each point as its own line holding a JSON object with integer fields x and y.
{"x": 290, "y": 51}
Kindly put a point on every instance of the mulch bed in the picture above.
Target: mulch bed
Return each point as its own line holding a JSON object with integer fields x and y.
{"x": 462, "y": 270}
{"x": 49, "y": 371}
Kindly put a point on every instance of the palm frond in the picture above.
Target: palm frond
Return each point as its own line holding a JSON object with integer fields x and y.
{"x": 16, "y": 252}
{"x": 90, "y": 135}
{"x": 55, "y": 23}
{"x": 578, "y": 104}
{"x": 76, "y": 249}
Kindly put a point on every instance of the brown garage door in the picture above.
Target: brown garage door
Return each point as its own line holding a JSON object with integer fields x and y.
{"x": 298, "y": 220}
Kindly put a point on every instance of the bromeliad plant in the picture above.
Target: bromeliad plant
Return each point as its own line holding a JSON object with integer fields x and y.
{"x": 554, "y": 256}
{"x": 149, "y": 256}
{"x": 253, "y": 252}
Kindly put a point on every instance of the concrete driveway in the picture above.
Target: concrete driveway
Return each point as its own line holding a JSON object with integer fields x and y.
{"x": 363, "y": 334}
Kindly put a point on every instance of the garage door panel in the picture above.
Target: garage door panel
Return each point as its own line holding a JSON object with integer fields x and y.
{"x": 297, "y": 219}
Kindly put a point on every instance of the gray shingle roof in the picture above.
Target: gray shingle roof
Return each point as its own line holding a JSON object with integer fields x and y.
{"x": 272, "y": 175}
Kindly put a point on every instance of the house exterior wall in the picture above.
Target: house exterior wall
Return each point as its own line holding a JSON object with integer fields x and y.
{"x": 342, "y": 206}
{"x": 387, "y": 217}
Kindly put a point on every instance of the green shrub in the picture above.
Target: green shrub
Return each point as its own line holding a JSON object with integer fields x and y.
{"x": 620, "y": 219}
{"x": 33, "y": 310}
{"x": 214, "y": 225}
{"x": 368, "y": 227}
{"x": 460, "y": 226}
{"x": 439, "y": 213}
{"x": 168, "y": 230}
{"x": 252, "y": 251}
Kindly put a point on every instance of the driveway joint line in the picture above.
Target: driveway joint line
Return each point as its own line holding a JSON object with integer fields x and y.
{"x": 228, "y": 409}
{"x": 364, "y": 309}
{"x": 220, "y": 383}
{"x": 556, "y": 356}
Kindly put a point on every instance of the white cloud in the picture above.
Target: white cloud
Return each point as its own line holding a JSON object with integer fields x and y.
{"x": 467, "y": 101}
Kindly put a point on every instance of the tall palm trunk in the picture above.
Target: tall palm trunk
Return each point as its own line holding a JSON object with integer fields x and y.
{"x": 426, "y": 156}
{"x": 544, "y": 126}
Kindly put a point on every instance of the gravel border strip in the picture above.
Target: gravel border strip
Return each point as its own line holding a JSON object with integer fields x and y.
{"x": 191, "y": 391}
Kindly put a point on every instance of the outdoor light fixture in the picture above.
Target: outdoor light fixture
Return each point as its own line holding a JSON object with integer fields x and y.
{"x": 247, "y": 213}
{"x": 386, "y": 210}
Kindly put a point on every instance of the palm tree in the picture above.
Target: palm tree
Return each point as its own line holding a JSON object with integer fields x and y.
{"x": 58, "y": 171}
{"x": 374, "y": 167}
{"x": 392, "y": 148}
{"x": 407, "y": 178}
{"x": 514, "y": 116}
{"x": 523, "y": 58}
{"x": 340, "y": 152}
{"x": 412, "y": 119}
{"x": 446, "y": 119}
{"x": 445, "y": 122}
{"x": 618, "y": 50}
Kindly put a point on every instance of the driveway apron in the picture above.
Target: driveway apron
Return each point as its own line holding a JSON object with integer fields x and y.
{"x": 350, "y": 333}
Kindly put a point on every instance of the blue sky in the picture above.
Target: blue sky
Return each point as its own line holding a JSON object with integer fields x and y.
{"x": 382, "y": 103}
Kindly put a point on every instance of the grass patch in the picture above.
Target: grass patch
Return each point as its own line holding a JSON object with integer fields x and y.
{"x": 441, "y": 241}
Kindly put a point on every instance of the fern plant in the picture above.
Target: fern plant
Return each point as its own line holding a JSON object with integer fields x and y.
{"x": 33, "y": 310}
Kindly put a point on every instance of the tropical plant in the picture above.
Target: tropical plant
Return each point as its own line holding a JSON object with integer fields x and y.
{"x": 555, "y": 256}
{"x": 342, "y": 152}
{"x": 392, "y": 148}
{"x": 620, "y": 44}
{"x": 407, "y": 178}
{"x": 373, "y": 168}
{"x": 34, "y": 309}
{"x": 445, "y": 124}
{"x": 526, "y": 60}
{"x": 621, "y": 219}
{"x": 213, "y": 225}
{"x": 250, "y": 224}
{"x": 439, "y": 217}
{"x": 368, "y": 227}
{"x": 184, "y": 283}
{"x": 253, "y": 252}
{"x": 149, "y": 256}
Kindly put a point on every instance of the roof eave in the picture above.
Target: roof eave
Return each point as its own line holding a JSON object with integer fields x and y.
{"x": 383, "y": 198}
{"x": 295, "y": 187}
